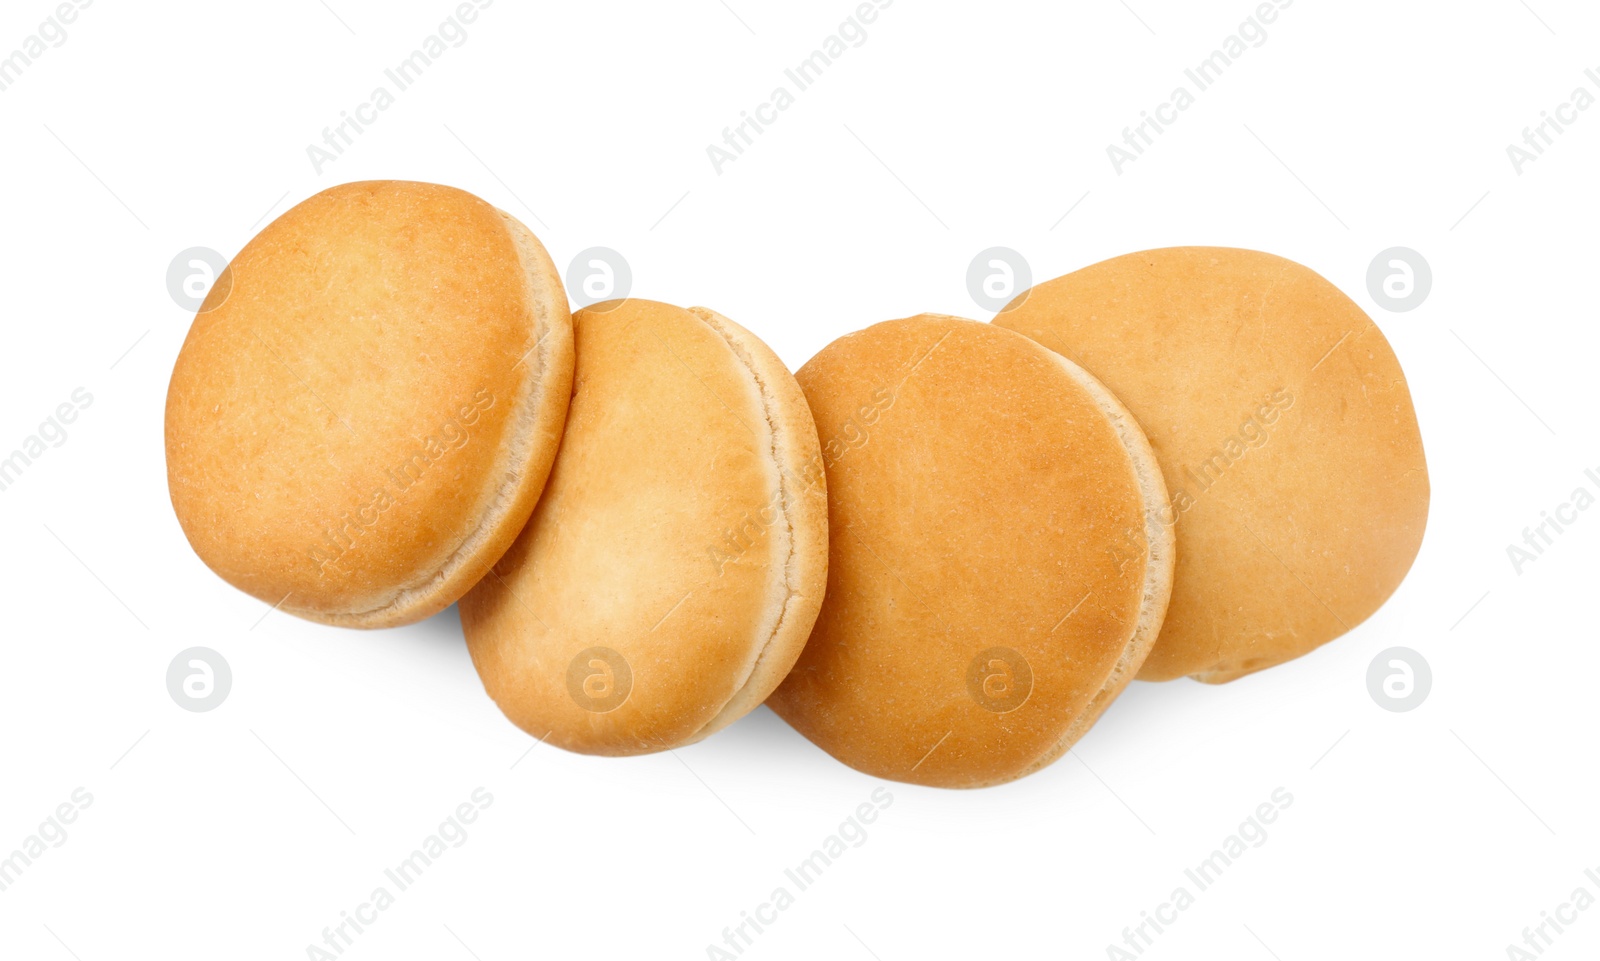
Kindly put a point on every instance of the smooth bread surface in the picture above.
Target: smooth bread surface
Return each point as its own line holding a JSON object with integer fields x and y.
{"x": 674, "y": 566}
{"x": 366, "y": 407}
{"x": 992, "y": 580}
{"x": 1286, "y": 432}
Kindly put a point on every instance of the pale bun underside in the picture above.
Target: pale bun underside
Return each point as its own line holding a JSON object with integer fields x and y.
{"x": 1284, "y": 427}
{"x": 683, "y": 532}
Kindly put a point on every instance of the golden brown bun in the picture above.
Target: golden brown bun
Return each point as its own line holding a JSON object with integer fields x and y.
{"x": 675, "y": 564}
{"x": 367, "y": 405}
{"x": 994, "y": 514}
{"x": 1284, "y": 427}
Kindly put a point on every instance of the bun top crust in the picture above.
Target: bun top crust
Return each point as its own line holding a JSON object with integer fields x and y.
{"x": 366, "y": 406}
{"x": 1282, "y": 421}
{"x": 673, "y": 568}
{"x": 990, "y": 561}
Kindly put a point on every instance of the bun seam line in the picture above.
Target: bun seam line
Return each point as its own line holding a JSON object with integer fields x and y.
{"x": 775, "y": 446}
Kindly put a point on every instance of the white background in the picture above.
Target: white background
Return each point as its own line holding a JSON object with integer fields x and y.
{"x": 1356, "y": 126}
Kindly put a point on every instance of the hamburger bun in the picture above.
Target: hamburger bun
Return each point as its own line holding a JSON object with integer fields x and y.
{"x": 1284, "y": 427}
{"x": 675, "y": 564}
{"x": 367, "y": 404}
{"x": 998, "y": 569}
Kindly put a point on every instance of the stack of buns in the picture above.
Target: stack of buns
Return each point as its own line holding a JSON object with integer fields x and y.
{"x": 939, "y": 552}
